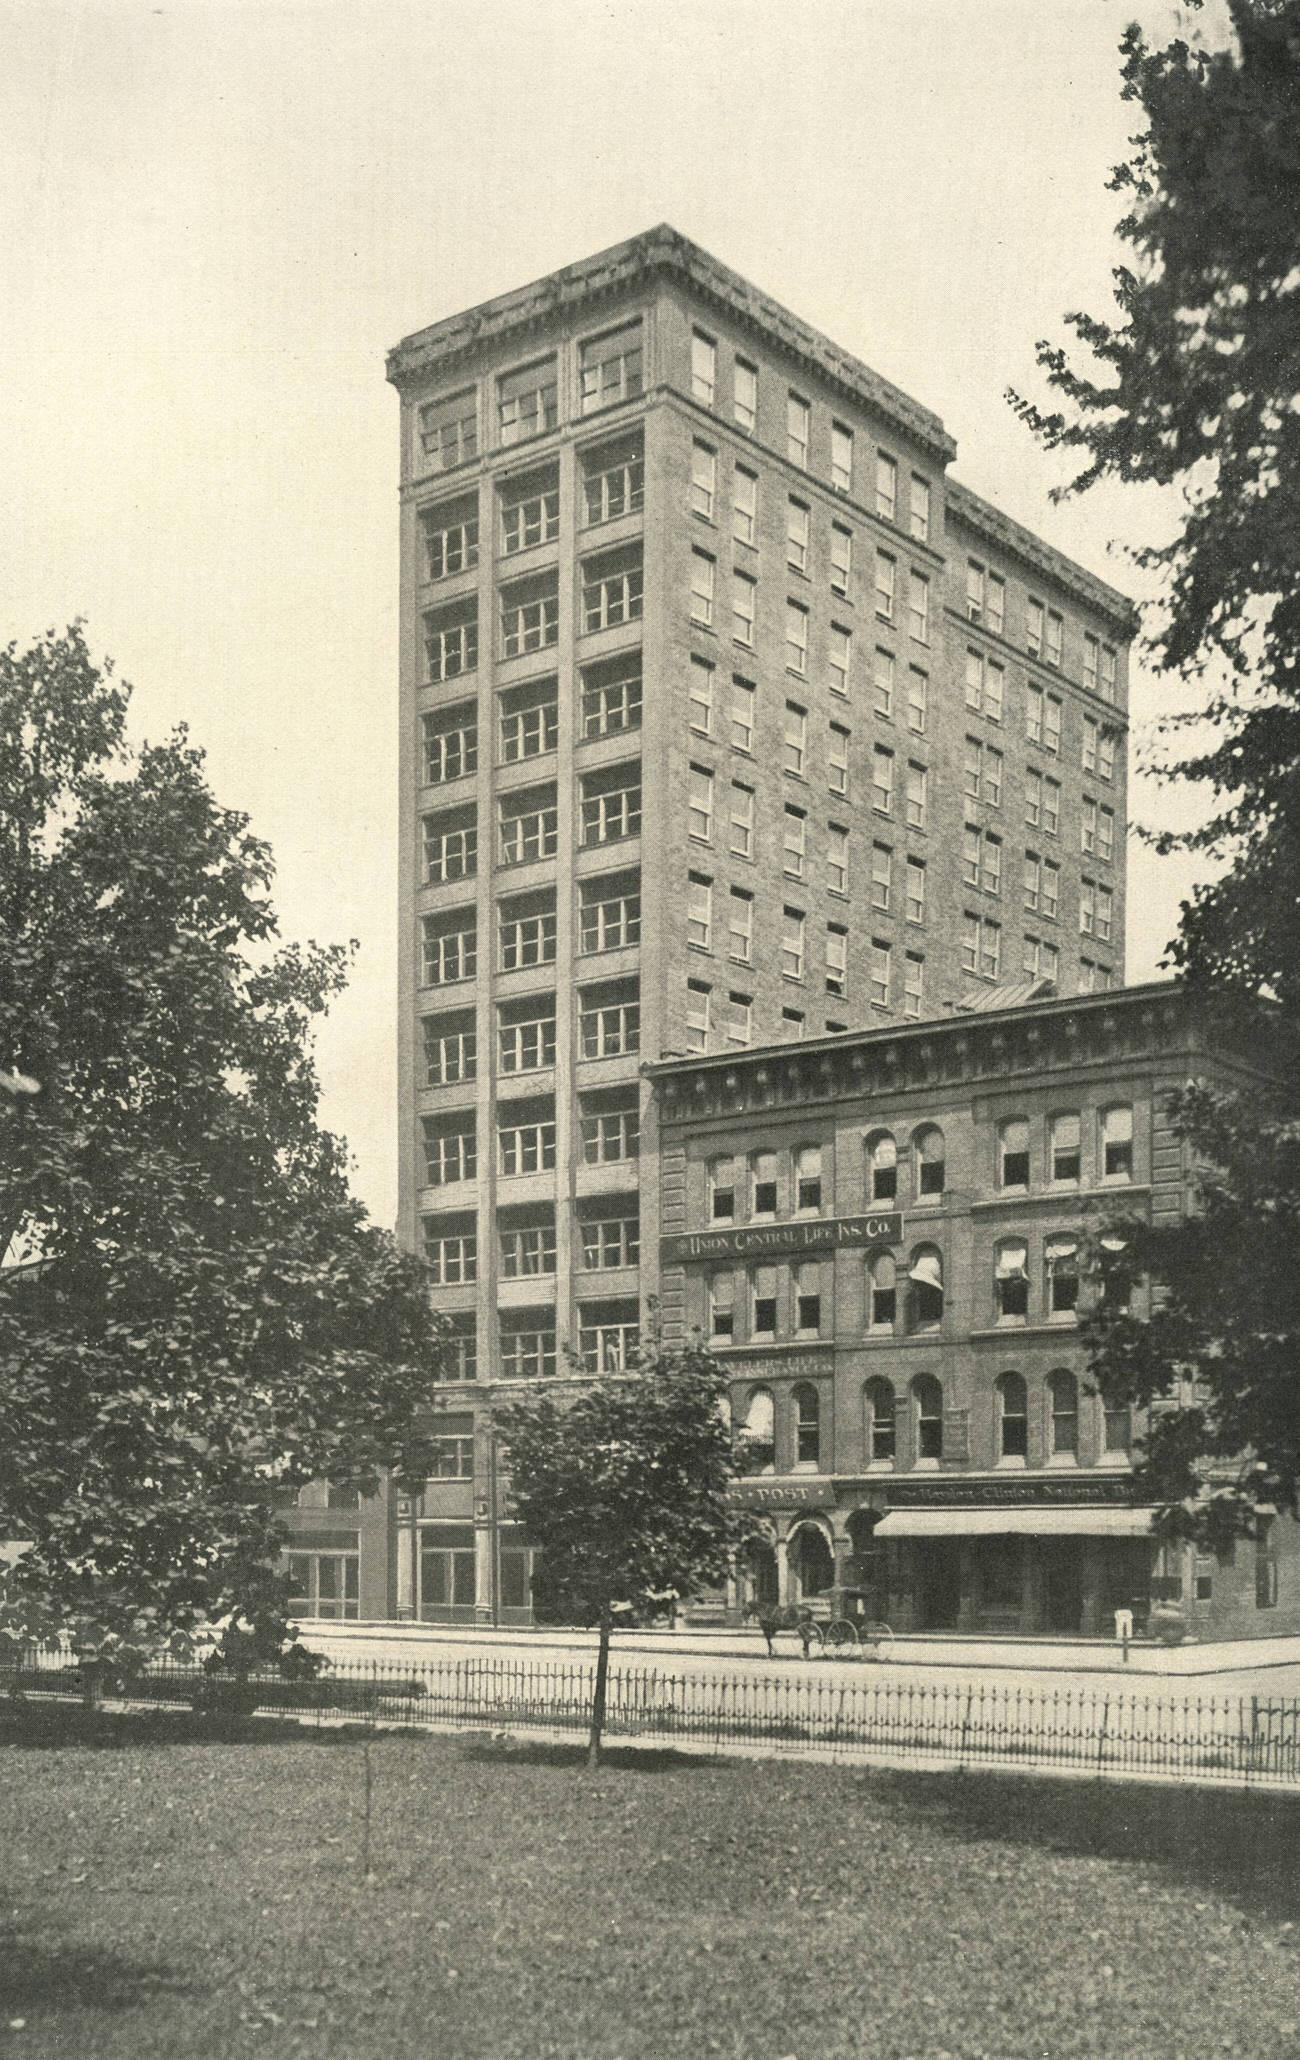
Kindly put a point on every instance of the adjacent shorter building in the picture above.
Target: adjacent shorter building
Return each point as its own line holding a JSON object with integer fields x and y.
{"x": 880, "y": 1233}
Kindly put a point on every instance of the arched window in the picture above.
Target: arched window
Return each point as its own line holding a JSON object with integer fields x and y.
{"x": 1066, "y": 1151}
{"x": 759, "y": 1434}
{"x": 882, "y": 1167}
{"x": 927, "y": 1143}
{"x": 722, "y": 1306}
{"x": 722, "y": 1190}
{"x": 1117, "y": 1143}
{"x": 879, "y": 1441}
{"x": 1063, "y": 1400}
{"x": 1062, "y": 1257}
{"x": 925, "y": 1295}
{"x": 808, "y": 1298}
{"x": 807, "y": 1424}
{"x": 808, "y": 1179}
{"x": 1013, "y": 1152}
{"x": 762, "y": 1175}
{"x": 1011, "y": 1279}
{"x": 1116, "y": 1428}
{"x": 927, "y": 1416}
{"x": 1116, "y": 1284}
{"x": 1013, "y": 1417}
{"x": 882, "y": 1291}
{"x": 811, "y": 1562}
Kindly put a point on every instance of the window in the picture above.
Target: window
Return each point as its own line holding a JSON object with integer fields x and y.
{"x": 885, "y": 576}
{"x": 704, "y": 367}
{"x": 450, "y": 743}
{"x": 612, "y": 589}
{"x": 1013, "y": 1417}
{"x": 1087, "y": 908}
{"x": 451, "y": 1250}
{"x": 1063, "y": 1415}
{"x": 919, "y": 517}
{"x": 807, "y": 1425}
{"x": 740, "y": 925}
{"x": 878, "y": 1410}
{"x": 792, "y": 943}
{"x": 794, "y": 843}
{"x": 970, "y": 855}
{"x": 886, "y": 486}
{"x": 744, "y": 506}
{"x": 1089, "y": 757}
{"x": 450, "y": 945}
{"x": 702, "y": 573}
{"x": 882, "y": 872}
{"x": 882, "y": 1292}
{"x": 1116, "y": 1428}
{"x": 763, "y": 1190}
{"x": 837, "y": 858}
{"x": 458, "y": 1358}
{"x": 882, "y": 683}
{"x": 528, "y": 1344}
{"x": 448, "y": 431}
{"x": 611, "y": 696}
{"x": 722, "y": 1190}
{"x": 700, "y": 693}
{"x": 740, "y": 1019}
{"x": 1106, "y": 833}
{"x": 526, "y": 1033}
{"x": 882, "y": 780}
{"x": 882, "y": 1167}
{"x": 529, "y": 719}
{"x": 720, "y": 1290}
{"x": 1107, "y": 672}
{"x": 609, "y": 912}
{"x": 1051, "y": 806}
{"x": 1088, "y": 826}
{"x": 526, "y": 401}
{"x": 530, "y": 615}
{"x": 611, "y": 1127}
{"x": 913, "y": 984}
{"x": 610, "y": 368}
{"x": 839, "y": 658}
{"x": 744, "y": 608}
{"x": 527, "y": 1247}
{"x": 526, "y": 1136}
{"x": 1052, "y": 725}
{"x": 928, "y": 1148}
{"x": 992, "y": 776}
{"x": 1055, "y": 638}
{"x": 453, "y": 1459}
{"x": 743, "y": 699}
{"x": 1117, "y": 1143}
{"x": 841, "y": 560}
{"x": 927, "y": 1417}
{"x": 1041, "y": 960}
{"x": 1033, "y": 798}
{"x": 610, "y": 803}
{"x": 699, "y": 805}
{"x": 1105, "y": 910}
{"x": 1066, "y": 1158}
{"x": 1011, "y": 1280}
{"x": 798, "y": 423}
{"x": 837, "y": 760}
{"x": 837, "y": 958}
{"x": 796, "y": 638}
{"x": 451, "y": 641}
{"x": 450, "y": 537}
{"x": 699, "y": 911}
{"x": 916, "y": 795}
{"x": 609, "y": 1019}
{"x": 994, "y": 690}
{"x": 704, "y": 480}
{"x": 918, "y": 695}
{"x": 1034, "y": 714}
{"x": 796, "y": 536}
{"x": 878, "y": 972}
{"x": 991, "y": 870}
{"x": 1034, "y": 628}
{"x": 450, "y": 1048}
{"x": 841, "y": 458}
{"x": 808, "y": 1180}
{"x": 759, "y": 1436}
{"x": 613, "y": 481}
{"x": 1013, "y": 1152}
{"x": 795, "y": 751}
{"x": 745, "y": 394}
{"x": 981, "y": 946}
{"x": 450, "y": 1148}
{"x": 982, "y": 773}
{"x": 741, "y": 821}
{"x": 974, "y": 681}
{"x": 697, "y": 1015}
{"x": 528, "y": 825}
{"x": 526, "y": 930}
{"x": 530, "y": 511}
{"x": 451, "y": 845}
{"x": 918, "y": 606}
{"x": 325, "y": 1584}
{"x": 1062, "y": 1257}
{"x": 1032, "y": 879}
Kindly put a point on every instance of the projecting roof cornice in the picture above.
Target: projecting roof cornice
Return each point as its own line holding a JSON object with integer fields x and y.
{"x": 660, "y": 253}
{"x": 989, "y": 523}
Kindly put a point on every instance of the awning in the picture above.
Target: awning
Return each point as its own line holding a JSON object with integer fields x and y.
{"x": 927, "y": 1268}
{"x": 1017, "y": 1523}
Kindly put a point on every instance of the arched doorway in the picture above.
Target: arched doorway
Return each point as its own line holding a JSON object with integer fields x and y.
{"x": 812, "y": 1568}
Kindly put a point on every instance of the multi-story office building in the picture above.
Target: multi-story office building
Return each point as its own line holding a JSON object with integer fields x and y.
{"x": 727, "y": 719}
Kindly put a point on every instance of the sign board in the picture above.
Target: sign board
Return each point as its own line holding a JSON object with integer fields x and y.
{"x": 770, "y": 1240}
{"x": 785, "y": 1495}
{"x": 952, "y": 1492}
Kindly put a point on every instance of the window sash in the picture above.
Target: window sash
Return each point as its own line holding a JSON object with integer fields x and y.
{"x": 617, "y": 491}
{"x": 527, "y": 1148}
{"x": 531, "y": 834}
{"x": 527, "y": 940}
{"x": 449, "y": 956}
{"x": 612, "y": 598}
{"x": 451, "y": 548}
{"x": 527, "y": 1046}
{"x": 534, "y": 520}
{"x": 449, "y": 753}
{"x": 532, "y": 625}
{"x": 451, "y": 650}
{"x": 610, "y": 924}
{"x": 611, "y": 1136}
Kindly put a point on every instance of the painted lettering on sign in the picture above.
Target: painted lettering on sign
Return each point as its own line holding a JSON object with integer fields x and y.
{"x": 759, "y": 1240}
{"x": 764, "y": 1495}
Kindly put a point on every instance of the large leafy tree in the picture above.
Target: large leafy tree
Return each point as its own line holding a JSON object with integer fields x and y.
{"x": 1194, "y": 385}
{"x": 623, "y": 1483}
{"x": 194, "y": 1313}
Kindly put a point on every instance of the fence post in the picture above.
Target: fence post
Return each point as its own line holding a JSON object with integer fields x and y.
{"x": 965, "y": 1728}
{"x": 1101, "y": 1740}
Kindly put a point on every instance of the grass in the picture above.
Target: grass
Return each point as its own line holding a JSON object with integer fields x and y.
{"x": 168, "y": 1894}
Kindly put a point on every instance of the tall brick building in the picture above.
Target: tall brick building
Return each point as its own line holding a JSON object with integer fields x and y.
{"x": 727, "y": 719}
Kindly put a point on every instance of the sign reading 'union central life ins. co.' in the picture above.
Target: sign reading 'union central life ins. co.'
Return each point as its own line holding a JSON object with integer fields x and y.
{"x": 759, "y": 1240}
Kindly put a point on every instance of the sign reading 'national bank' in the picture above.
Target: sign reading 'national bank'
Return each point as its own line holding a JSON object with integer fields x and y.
{"x": 761, "y": 1240}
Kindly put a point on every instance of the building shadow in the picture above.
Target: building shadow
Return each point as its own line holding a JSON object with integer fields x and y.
{"x": 35, "y": 1977}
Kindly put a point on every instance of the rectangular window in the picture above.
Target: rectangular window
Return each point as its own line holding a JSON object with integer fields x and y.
{"x": 699, "y": 911}
{"x": 704, "y": 367}
{"x": 528, "y": 1344}
{"x": 611, "y": 696}
{"x": 1051, "y": 806}
{"x": 918, "y": 607}
{"x": 841, "y": 560}
{"x": 450, "y": 1149}
{"x": 798, "y": 424}
{"x": 1033, "y": 798}
{"x": 526, "y": 1032}
{"x": 529, "y": 825}
{"x": 526, "y": 1137}
{"x": 700, "y": 697}
{"x": 913, "y": 984}
{"x": 450, "y": 534}
{"x": 613, "y": 481}
{"x": 1034, "y": 628}
{"x": 530, "y": 511}
{"x": 885, "y": 579}
{"x": 1105, "y": 914}
{"x": 610, "y": 804}
{"x": 743, "y": 699}
{"x": 886, "y": 486}
{"x": 837, "y": 859}
{"x": 697, "y": 1016}
{"x": 807, "y": 1319}
{"x": 882, "y": 683}
{"x": 448, "y": 431}
{"x": 451, "y": 845}
{"x": 1052, "y": 724}
{"x": 609, "y": 1019}
{"x": 796, "y": 638}
{"x": 763, "y": 1281}
{"x": 700, "y": 803}
{"x": 837, "y": 958}
{"x": 1034, "y": 714}
{"x": 970, "y": 855}
{"x": 745, "y": 394}
{"x": 744, "y": 608}
{"x": 991, "y": 873}
{"x": 795, "y": 746}
{"x": 611, "y": 368}
{"x": 611, "y": 1128}
{"x": 972, "y": 768}
{"x": 612, "y": 589}
{"x": 1106, "y": 754}
{"x": 1088, "y": 825}
{"x": 741, "y": 821}
{"x": 450, "y": 947}
{"x": 450, "y": 744}
{"x": 992, "y": 776}
{"x": 882, "y": 877}
{"x": 970, "y": 943}
{"x": 995, "y": 601}
{"x": 527, "y": 1249}
{"x": 1108, "y": 682}
{"x": 702, "y": 578}
{"x": 609, "y": 912}
{"x": 1089, "y": 758}
{"x": 917, "y": 782}
{"x": 974, "y": 591}
{"x": 882, "y": 780}
{"x": 797, "y": 519}
{"x": 450, "y": 1048}
{"x": 1091, "y": 656}
{"x": 324, "y": 1584}
{"x": 919, "y": 521}
{"x": 841, "y": 458}
{"x": 526, "y": 401}
{"x": 704, "y": 480}
{"x": 916, "y": 890}
{"x": 529, "y": 719}
{"x": 991, "y": 950}
{"x": 1032, "y": 880}
{"x": 839, "y": 657}
{"x": 974, "y": 678}
{"x": 879, "y": 973}
{"x": 1051, "y": 889}
{"x": 1087, "y": 908}
{"x": 611, "y": 1241}
{"x": 837, "y": 760}
{"x": 530, "y": 615}
{"x": 994, "y": 681}
{"x": 792, "y": 943}
{"x": 794, "y": 845}
{"x": 740, "y": 1019}
{"x": 744, "y": 506}
{"x": 451, "y": 641}
{"x": 740, "y": 926}
{"x": 918, "y": 698}
{"x": 1106, "y": 832}
{"x": 1055, "y": 638}
{"x": 451, "y": 1250}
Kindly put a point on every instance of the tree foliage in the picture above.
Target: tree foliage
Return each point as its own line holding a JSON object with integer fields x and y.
{"x": 204, "y": 1318}
{"x": 1195, "y": 385}
{"x": 624, "y": 1486}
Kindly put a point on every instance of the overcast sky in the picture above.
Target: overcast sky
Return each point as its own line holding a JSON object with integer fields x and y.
{"x": 217, "y": 215}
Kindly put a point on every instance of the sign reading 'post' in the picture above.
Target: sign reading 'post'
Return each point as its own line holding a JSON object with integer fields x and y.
{"x": 764, "y": 1240}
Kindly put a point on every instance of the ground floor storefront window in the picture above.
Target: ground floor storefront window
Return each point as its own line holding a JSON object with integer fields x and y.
{"x": 324, "y": 1584}
{"x": 447, "y": 1573}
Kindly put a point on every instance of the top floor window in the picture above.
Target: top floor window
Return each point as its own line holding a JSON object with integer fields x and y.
{"x": 798, "y": 430}
{"x": 704, "y": 367}
{"x": 611, "y": 367}
{"x": 886, "y": 486}
{"x": 1055, "y": 643}
{"x": 448, "y": 431}
{"x": 1035, "y": 628}
{"x": 745, "y": 394}
{"x": 526, "y": 401}
{"x": 919, "y": 524}
{"x": 841, "y": 457}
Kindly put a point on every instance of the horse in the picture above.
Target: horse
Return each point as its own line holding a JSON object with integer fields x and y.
{"x": 773, "y": 1617}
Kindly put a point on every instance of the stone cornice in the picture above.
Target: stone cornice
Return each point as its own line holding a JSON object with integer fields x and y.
{"x": 964, "y": 506}
{"x": 660, "y": 253}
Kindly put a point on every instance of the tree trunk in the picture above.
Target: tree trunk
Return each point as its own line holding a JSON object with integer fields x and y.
{"x": 598, "y": 1698}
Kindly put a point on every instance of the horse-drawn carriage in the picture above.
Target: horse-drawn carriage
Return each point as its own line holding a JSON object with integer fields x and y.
{"x": 837, "y": 1623}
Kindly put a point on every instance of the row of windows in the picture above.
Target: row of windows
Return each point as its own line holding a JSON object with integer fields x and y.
{"x": 528, "y": 613}
{"x": 609, "y": 1129}
{"x": 609, "y": 810}
{"x": 1044, "y": 629}
{"x": 525, "y": 400}
{"x": 744, "y": 610}
{"x": 528, "y": 719}
{"x": 737, "y": 725}
{"x": 612, "y": 486}
{"x": 609, "y": 1236}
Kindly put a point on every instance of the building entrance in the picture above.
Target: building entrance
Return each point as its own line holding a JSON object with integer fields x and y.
{"x": 1062, "y": 1586}
{"x": 937, "y": 1581}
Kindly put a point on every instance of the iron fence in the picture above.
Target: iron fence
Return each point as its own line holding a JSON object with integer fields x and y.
{"x": 1082, "y": 1731}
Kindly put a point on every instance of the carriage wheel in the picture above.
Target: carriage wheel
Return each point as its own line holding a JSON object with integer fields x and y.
{"x": 879, "y": 1641}
{"x": 840, "y": 1632}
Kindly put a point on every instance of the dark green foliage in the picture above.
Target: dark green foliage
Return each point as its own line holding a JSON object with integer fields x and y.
{"x": 206, "y": 1306}
{"x": 1195, "y": 384}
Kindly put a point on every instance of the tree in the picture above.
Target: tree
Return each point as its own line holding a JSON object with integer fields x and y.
{"x": 203, "y": 1319}
{"x": 1194, "y": 386}
{"x": 624, "y": 1486}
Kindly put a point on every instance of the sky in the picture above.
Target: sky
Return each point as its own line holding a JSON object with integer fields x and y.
{"x": 216, "y": 216}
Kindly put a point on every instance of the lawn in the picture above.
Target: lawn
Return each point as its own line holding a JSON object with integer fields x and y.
{"x": 170, "y": 1895}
